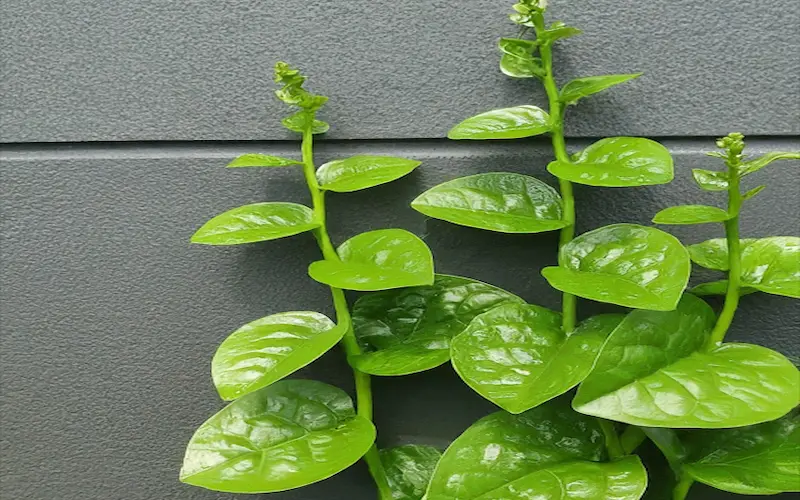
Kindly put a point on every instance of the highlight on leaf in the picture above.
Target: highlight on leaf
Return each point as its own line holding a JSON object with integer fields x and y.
{"x": 579, "y": 88}
{"x": 691, "y": 214}
{"x": 362, "y": 172}
{"x": 256, "y": 222}
{"x": 710, "y": 180}
{"x": 505, "y": 123}
{"x": 260, "y": 160}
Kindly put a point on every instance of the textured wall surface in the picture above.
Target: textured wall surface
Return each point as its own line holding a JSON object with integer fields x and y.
{"x": 109, "y": 318}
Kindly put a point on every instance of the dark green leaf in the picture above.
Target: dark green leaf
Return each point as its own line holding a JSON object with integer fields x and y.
{"x": 506, "y": 123}
{"x": 408, "y": 469}
{"x": 718, "y": 288}
{"x": 497, "y": 201}
{"x": 299, "y": 121}
{"x": 521, "y": 67}
{"x": 710, "y": 180}
{"x": 409, "y": 330}
{"x": 256, "y": 222}
{"x": 361, "y": 172}
{"x": 268, "y": 349}
{"x": 691, "y": 214}
{"x": 288, "y": 435}
{"x": 517, "y": 356}
{"x": 582, "y": 87}
{"x": 624, "y": 264}
{"x": 377, "y": 260}
{"x": 654, "y": 371}
{"x": 259, "y": 160}
{"x": 751, "y": 166}
{"x": 749, "y": 194}
{"x": 618, "y": 162}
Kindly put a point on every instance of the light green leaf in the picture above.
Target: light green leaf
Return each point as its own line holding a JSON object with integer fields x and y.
{"x": 718, "y": 288}
{"x": 259, "y": 160}
{"x": 617, "y": 162}
{"x": 709, "y": 180}
{"x": 288, "y": 435}
{"x": 517, "y": 356}
{"x": 653, "y": 371}
{"x": 624, "y": 264}
{"x": 299, "y": 121}
{"x": 408, "y": 469}
{"x": 517, "y": 46}
{"x": 506, "y": 123}
{"x": 377, "y": 260}
{"x": 256, "y": 222}
{"x": 521, "y": 67}
{"x": 497, "y": 201}
{"x": 545, "y": 453}
{"x": 409, "y": 330}
{"x": 752, "y": 192}
{"x": 691, "y": 214}
{"x": 558, "y": 31}
{"x": 582, "y": 87}
{"x": 751, "y": 166}
{"x": 761, "y": 459}
{"x": 713, "y": 254}
{"x": 268, "y": 349}
{"x": 361, "y": 172}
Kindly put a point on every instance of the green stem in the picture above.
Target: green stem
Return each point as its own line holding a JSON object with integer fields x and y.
{"x": 613, "y": 444}
{"x": 348, "y": 342}
{"x": 682, "y": 488}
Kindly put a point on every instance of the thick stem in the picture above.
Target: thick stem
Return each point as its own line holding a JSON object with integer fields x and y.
{"x": 682, "y": 489}
{"x": 348, "y": 342}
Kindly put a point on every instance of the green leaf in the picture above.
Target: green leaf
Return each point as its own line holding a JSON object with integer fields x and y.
{"x": 718, "y": 288}
{"x": 268, "y": 349}
{"x": 517, "y": 356}
{"x": 623, "y": 264}
{"x": 558, "y": 31}
{"x": 713, "y": 254}
{"x": 752, "y": 192}
{"x": 521, "y": 67}
{"x": 408, "y": 469}
{"x": 299, "y": 121}
{"x": 361, "y": 172}
{"x": 517, "y": 46}
{"x": 259, "y": 160}
{"x": 505, "y": 123}
{"x": 710, "y": 180}
{"x": 288, "y": 435}
{"x": 617, "y": 162}
{"x": 545, "y": 453}
{"x": 761, "y": 459}
{"x": 691, "y": 214}
{"x": 653, "y": 371}
{"x": 751, "y": 166}
{"x": 582, "y": 87}
{"x": 409, "y": 330}
{"x": 256, "y": 222}
{"x": 292, "y": 91}
{"x": 497, "y": 201}
{"x": 377, "y": 260}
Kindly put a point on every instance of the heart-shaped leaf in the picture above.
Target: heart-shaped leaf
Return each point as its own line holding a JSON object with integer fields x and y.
{"x": 710, "y": 180}
{"x": 506, "y": 123}
{"x": 718, "y": 288}
{"x": 409, "y": 330}
{"x": 762, "y": 459}
{"x": 751, "y": 166}
{"x": 409, "y": 469}
{"x": 546, "y": 453}
{"x": 287, "y": 435}
{"x": 377, "y": 260}
{"x": 497, "y": 201}
{"x": 268, "y": 349}
{"x": 654, "y": 371}
{"x": 259, "y": 160}
{"x": 624, "y": 264}
{"x": 617, "y": 162}
{"x": 582, "y": 87}
{"x": 517, "y": 356}
{"x": 361, "y": 172}
{"x": 691, "y": 214}
{"x": 256, "y": 222}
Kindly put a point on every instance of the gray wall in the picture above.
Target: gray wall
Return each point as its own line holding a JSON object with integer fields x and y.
{"x": 109, "y": 318}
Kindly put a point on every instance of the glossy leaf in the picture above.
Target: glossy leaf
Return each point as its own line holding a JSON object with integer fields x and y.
{"x": 617, "y": 162}
{"x": 497, "y": 201}
{"x": 517, "y": 356}
{"x": 653, "y": 371}
{"x": 256, "y": 222}
{"x": 691, "y": 214}
{"x": 761, "y": 459}
{"x": 624, "y": 264}
{"x": 299, "y": 121}
{"x": 718, "y": 288}
{"x": 505, "y": 123}
{"x": 361, "y": 172}
{"x": 268, "y": 349}
{"x": 757, "y": 164}
{"x": 521, "y": 67}
{"x": 558, "y": 31}
{"x": 710, "y": 180}
{"x": 545, "y": 453}
{"x": 752, "y": 192}
{"x": 409, "y": 330}
{"x": 259, "y": 160}
{"x": 288, "y": 435}
{"x": 377, "y": 260}
{"x": 582, "y": 87}
{"x": 713, "y": 254}
{"x": 409, "y": 469}
{"x": 517, "y": 47}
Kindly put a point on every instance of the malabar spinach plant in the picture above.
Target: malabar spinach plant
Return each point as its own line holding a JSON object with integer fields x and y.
{"x": 280, "y": 434}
